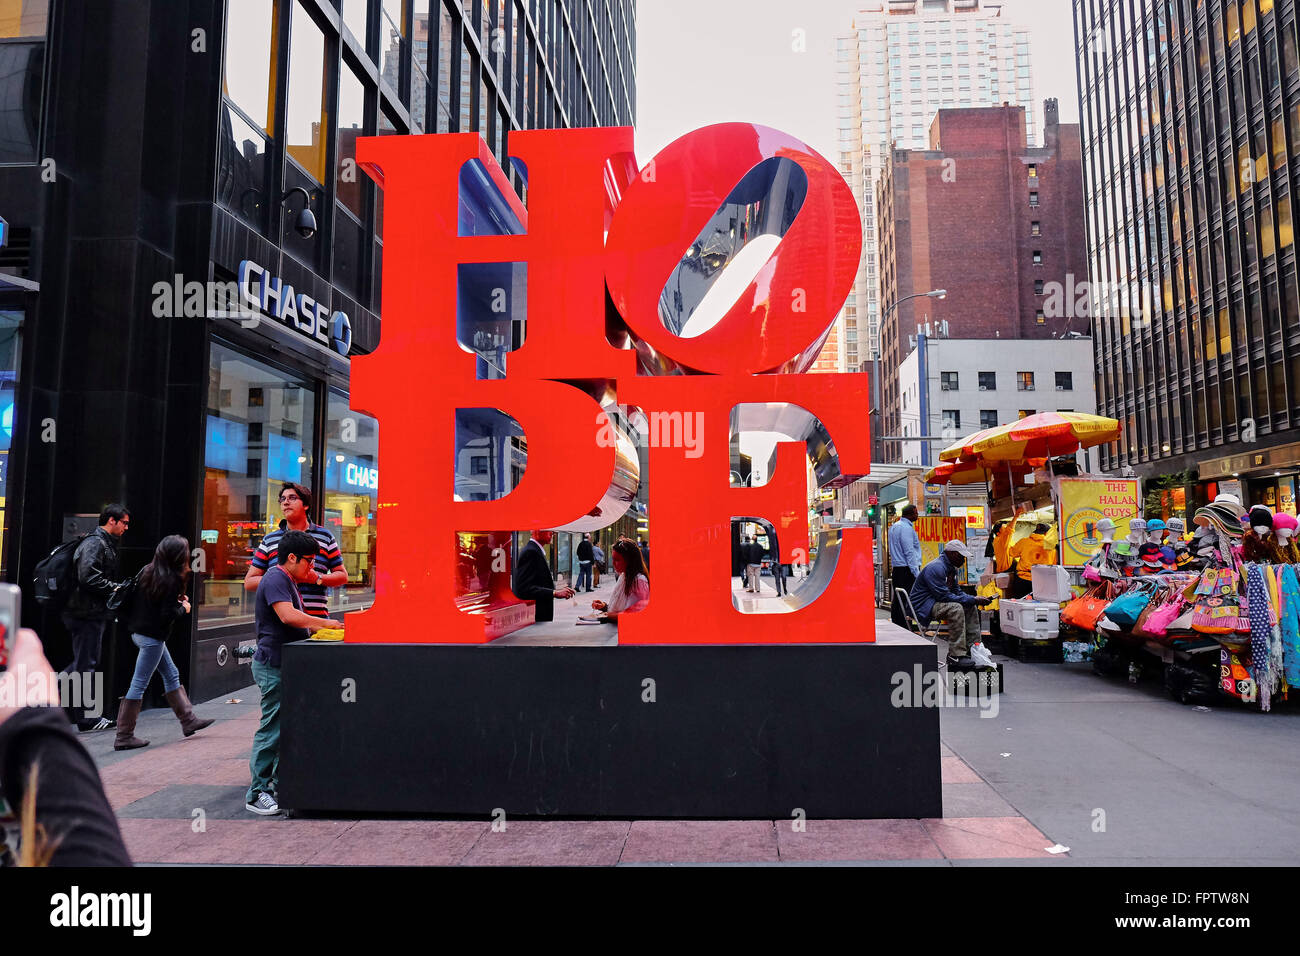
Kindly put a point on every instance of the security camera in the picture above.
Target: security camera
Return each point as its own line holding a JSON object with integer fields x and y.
{"x": 305, "y": 224}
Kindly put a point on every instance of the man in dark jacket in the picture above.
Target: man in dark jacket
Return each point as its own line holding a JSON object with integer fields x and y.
{"x": 936, "y": 596}
{"x": 532, "y": 578}
{"x": 585, "y": 556}
{"x": 86, "y": 614}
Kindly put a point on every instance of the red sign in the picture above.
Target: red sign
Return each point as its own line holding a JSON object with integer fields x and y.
{"x": 583, "y": 183}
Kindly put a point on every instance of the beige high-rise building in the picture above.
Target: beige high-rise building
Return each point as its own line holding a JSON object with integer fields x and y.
{"x": 903, "y": 61}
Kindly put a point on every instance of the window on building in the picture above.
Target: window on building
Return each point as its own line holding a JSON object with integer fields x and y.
{"x": 1038, "y": 257}
{"x": 1033, "y": 198}
{"x": 988, "y": 418}
{"x": 948, "y": 381}
{"x": 951, "y": 420}
{"x": 1025, "y": 413}
{"x": 1038, "y": 287}
{"x": 1033, "y": 171}
{"x": 356, "y": 18}
{"x": 1065, "y": 381}
{"x": 248, "y": 115}
{"x": 351, "y": 499}
{"x": 240, "y": 503}
{"x": 1025, "y": 381}
{"x": 1040, "y": 318}
{"x": 1035, "y": 228}
{"x": 305, "y": 136}
{"x": 988, "y": 381}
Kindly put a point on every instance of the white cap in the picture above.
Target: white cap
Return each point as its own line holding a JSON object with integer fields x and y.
{"x": 959, "y": 547}
{"x": 1231, "y": 499}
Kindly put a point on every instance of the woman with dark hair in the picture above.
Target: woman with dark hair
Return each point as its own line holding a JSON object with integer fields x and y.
{"x": 632, "y": 590}
{"x": 157, "y": 602}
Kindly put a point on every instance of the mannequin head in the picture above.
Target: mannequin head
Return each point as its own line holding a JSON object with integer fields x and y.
{"x": 1137, "y": 530}
{"x": 1261, "y": 520}
{"x": 1106, "y": 529}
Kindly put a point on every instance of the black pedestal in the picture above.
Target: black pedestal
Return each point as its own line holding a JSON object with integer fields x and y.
{"x": 748, "y": 732}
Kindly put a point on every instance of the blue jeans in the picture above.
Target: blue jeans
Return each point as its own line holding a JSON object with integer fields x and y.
{"x": 584, "y": 574}
{"x": 264, "y": 763}
{"x": 153, "y": 656}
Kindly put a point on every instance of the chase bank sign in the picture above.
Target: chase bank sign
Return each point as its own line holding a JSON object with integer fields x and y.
{"x": 274, "y": 296}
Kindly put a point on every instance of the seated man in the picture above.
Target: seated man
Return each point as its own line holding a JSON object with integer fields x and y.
{"x": 935, "y": 596}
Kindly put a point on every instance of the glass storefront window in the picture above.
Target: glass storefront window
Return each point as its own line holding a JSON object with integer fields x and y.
{"x": 305, "y": 132}
{"x": 260, "y": 433}
{"x": 352, "y": 499}
{"x": 249, "y": 80}
{"x": 11, "y": 322}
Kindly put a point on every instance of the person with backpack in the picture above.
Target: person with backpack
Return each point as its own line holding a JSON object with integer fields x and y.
{"x": 157, "y": 601}
{"x": 86, "y": 614}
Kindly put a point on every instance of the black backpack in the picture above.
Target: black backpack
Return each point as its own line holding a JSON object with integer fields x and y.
{"x": 56, "y": 575}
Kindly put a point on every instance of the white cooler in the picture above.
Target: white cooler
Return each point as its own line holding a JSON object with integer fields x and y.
{"x": 1050, "y": 582}
{"x": 1030, "y": 620}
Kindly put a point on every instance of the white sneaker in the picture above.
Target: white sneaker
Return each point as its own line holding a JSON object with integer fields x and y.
{"x": 264, "y": 804}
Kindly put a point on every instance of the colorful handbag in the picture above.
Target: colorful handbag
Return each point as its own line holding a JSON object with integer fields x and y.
{"x": 1156, "y": 619}
{"x": 1125, "y": 610}
{"x": 1084, "y": 611}
{"x": 1217, "y": 607}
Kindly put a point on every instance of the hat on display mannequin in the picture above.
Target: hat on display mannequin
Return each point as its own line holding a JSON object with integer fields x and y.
{"x": 1106, "y": 528}
{"x": 1261, "y": 519}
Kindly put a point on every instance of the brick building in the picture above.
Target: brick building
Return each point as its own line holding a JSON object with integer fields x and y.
{"x": 996, "y": 223}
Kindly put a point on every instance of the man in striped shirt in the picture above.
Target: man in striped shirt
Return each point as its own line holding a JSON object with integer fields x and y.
{"x": 295, "y": 502}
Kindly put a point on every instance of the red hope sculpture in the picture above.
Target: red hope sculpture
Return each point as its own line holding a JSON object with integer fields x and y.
{"x": 419, "y": 375}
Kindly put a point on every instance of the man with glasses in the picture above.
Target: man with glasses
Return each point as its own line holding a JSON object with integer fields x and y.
{"x": 295, "y": 502}
{"x": 87, "y": 614}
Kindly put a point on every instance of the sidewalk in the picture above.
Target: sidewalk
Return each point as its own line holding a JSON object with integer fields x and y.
{"x": 181, "y": 801}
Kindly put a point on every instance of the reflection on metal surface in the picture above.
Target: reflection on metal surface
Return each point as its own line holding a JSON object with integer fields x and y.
{"x": 796, "y": 424}
{"x": 802, "y": 591}
{"x": 764, "y": 203}
{"x": 624, "y": 484}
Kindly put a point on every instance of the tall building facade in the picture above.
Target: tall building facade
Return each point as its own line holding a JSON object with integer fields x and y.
{"x": 901, "y": 62}
{"x": 155, "y": 147}
{"x": 995, "y": 223}
{"x": 1191, "y": 119}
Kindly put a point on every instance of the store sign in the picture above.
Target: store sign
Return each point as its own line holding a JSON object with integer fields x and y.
{"x": 1084, "y": 502}
{"x": 272, "y": 295}
{"x": 361, "y": 476}
{"x": 598, "y": 227}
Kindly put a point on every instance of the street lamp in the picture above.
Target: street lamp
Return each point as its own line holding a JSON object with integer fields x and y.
{"x": 932, "y": 294}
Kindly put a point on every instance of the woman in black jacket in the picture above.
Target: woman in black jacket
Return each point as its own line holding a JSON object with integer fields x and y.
{"x": 156, "y": 603}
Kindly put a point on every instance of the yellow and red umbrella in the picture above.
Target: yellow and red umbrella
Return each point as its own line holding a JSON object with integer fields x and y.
{"x": 974, "y": 472}
{"x": 1044, "y": 435}
{"x": 963, "y": 448}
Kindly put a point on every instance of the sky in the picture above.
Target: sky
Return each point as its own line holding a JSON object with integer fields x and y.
{"x": 700, "y": 62}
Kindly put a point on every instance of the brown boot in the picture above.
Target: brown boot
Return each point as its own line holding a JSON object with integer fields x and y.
{"x": 185, "y": 713}
{"x": 127, "y": 713}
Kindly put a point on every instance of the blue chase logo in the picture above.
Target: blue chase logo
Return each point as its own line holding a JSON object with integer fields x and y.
{"x": 341, "y": 333}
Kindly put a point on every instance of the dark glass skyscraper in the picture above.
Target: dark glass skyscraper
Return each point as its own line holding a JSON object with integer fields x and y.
{"x": 1191, "y": 113}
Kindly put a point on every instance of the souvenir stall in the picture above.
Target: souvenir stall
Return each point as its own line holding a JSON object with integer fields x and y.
{"x": 1217, "y": 616}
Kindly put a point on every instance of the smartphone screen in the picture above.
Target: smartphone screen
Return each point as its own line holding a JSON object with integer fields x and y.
{"x": 10, "y": 620}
